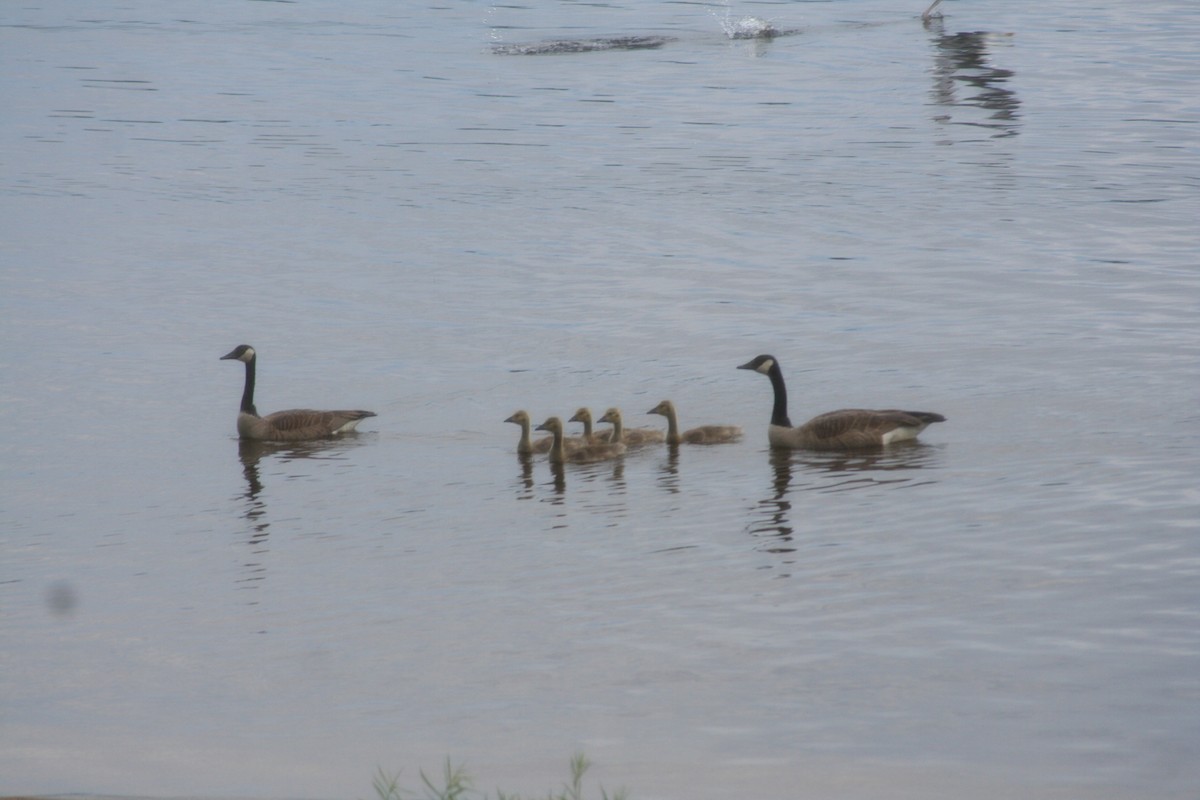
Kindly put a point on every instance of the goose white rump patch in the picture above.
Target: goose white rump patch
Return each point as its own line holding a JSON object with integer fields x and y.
{"x": 901, "y": 434}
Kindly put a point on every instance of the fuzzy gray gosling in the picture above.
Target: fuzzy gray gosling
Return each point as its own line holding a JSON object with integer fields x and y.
{"x": 584, "y": 454}
{"x": 704, "y": 434}
{"x": 528, "y": 446}
{"x": 584, "y": 415}
{"x": 633, "y": 437}
{"x": 525, "y": 445}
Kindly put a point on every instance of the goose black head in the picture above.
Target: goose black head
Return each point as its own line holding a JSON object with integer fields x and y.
{"x": 763, "y": 364}
{"x": 243, "y": 352}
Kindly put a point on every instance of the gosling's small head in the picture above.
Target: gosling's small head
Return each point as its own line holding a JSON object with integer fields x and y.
{"x": 552, "y": 424}
{"x": 664, "y": 408}
{"x": 582, "y": 415}
{"x": 612, "y": 416}
{"x": 519, "y": 418}
{"x": 243, "y": 352}
{"x": 763, "y": 364}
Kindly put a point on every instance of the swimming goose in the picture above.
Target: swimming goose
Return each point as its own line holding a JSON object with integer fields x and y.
{"x": 293, "y": 425}
{"x": 584, "y": 454}
{"x": 847, "y": 429}
{"x": 633, "y": 437}
{"x": 527, "y": 446}
{"x": 705, "y": 434}
{"x": 584, "y": 415}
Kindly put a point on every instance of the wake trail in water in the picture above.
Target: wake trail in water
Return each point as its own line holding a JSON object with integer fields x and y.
{"x": 744, "y": 27}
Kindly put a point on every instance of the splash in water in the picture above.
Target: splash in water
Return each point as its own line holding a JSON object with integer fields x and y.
{"x": 747, "y": 27}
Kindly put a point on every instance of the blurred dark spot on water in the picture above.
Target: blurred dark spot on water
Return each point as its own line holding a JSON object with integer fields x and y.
{"x": 61, "y": 599}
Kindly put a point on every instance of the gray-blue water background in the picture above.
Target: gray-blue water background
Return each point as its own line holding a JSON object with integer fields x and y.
{"x": 994, "y": 217}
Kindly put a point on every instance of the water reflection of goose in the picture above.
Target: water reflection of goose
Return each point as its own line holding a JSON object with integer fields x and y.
{"x": 964, "y": 59}
{"x": 251, "y": 454}
{"x": 525, "y": 479}
{"x": 846, "y": 429}
{"x": 775, "y": 509}
{"x": 610, "y": 468}
{"x": 844, "y": 471}
{"x": 293, "y": 425}
{"x": 833, "y": 472}
{"x": 668, "y": 477}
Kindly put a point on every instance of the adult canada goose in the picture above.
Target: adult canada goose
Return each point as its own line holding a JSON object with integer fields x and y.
{"x": 847, "y": 429}
{"x": 526, "y": 445}
{"x": 293, "y": 425}
{"x": 705, "y": 434}
{"x": 633, "y": 437}
{"x": 584, "y": 415}
{"x": 585, "y": 453}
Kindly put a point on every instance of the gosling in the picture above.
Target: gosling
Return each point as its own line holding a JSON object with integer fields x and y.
{"x": 584, "y": 453}
{"x": 632, "y": 437}
{"x": 704, "y": 434}
{"x": 584, "y": 415}
{"x": 528, "y": 446}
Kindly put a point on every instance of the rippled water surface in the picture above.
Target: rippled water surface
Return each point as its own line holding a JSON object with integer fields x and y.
{"x": 442, "y": 213}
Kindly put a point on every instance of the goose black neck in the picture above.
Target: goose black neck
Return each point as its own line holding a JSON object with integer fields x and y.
{"x": 779, "y": 414}
{"x": 248, "y": 391}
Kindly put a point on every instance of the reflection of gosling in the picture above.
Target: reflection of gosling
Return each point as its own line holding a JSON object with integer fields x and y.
{"x": 526, "y": 445}
{"x": 705, "y": 434}
{"x": 633, "y": 437}
{"x": 293, "y": 425}
{"x": 583, "y": 454}
{"x": 847, "y": 429}
{"x": 584, "y": 415}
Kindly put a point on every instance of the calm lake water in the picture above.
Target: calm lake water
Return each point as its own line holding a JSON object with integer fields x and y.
{"x": 412, "y": 208}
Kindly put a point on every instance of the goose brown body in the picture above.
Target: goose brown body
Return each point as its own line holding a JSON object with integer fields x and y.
{"x": 845, "y": 429}
{"x": 703, "y": 434}
{"x": 292, "y": 425}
